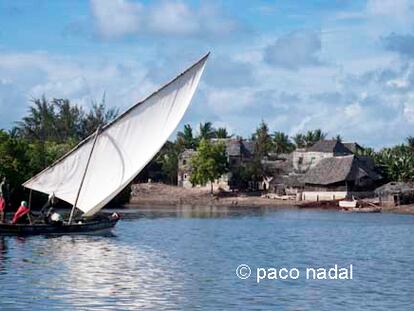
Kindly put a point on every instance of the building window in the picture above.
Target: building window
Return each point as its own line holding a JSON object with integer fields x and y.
{"x": 184, "y": 162}
{"x": 300, "y": 160}
{"x": 185, "y": 176}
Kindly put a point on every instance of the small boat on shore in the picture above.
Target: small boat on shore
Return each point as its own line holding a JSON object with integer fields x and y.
{"x": 359, "y": 206}
{"x": 348, "y": 204}
{"x": 102, "y": 165}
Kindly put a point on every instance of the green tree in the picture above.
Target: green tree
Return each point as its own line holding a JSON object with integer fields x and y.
{"x": 282, "y": 143}
{"x": 299, "y": 140}
{"x": 68, "y": 119}
{"x": 206, "y": 131}
{"x": 221, "y": 132}
{"x": 99, "y": 115}
{"x": 309, "y": 138}
{"x": 397, "y": 163}
{"x": 209, "y": 163}
{"x": 410, "y": 142}
{"x": 40, "y": 123}
{"x": 168, "y": 159}
{"x": 185, "y": 138}
{"x": 262, "y": 140}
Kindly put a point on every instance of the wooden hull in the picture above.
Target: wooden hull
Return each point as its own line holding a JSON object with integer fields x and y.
{"x": 90, "y": 227}
{"x": 348, "y": 204}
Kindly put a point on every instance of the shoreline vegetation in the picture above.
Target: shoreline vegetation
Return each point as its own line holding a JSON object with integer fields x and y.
{"x": 158, "y": 195}
{"x": 52, "y": 127}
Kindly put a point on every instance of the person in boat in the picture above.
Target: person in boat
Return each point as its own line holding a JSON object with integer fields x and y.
{"x": 52, "y": 217}
{"x": 3, "y": 203}
{"x": 2, "y": 209}
{"x": 22, "y": 215}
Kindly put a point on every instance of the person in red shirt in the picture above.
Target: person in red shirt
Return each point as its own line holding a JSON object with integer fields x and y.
{"x": 2, "y": 209}
{"x": 22, "y": 214}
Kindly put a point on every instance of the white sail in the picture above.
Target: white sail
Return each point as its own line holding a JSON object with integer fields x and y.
{"x": 122, "y": 148}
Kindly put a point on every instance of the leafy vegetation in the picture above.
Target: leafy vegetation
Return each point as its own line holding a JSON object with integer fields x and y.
{"x": 53, "y": 127}
{"x": 309, "y": 138}
{"x": 49, "y": 130}
{"x": 209, "y": 163}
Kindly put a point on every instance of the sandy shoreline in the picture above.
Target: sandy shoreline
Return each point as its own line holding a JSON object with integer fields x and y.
{"x": 160, "y": 195}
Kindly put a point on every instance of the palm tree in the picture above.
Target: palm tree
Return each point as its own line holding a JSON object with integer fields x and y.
{"x": 263, "y": 140}
{"x": 185, "y": 138}
{"x": 282, "y": 143}
{"x": 410, "y": 142}
{"x": 299, "y": 140}
{"x": 319, "y": 135}
{"x": 206, "y": 131}
{"x": 397, "y": 163}
{"x": 221, "y": 132}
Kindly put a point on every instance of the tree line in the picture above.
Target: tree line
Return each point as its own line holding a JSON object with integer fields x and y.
{"x": 52, "y": 127}
{"x": 49, "y": 130}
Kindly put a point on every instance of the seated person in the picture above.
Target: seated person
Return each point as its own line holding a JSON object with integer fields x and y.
{"x": 52, "y": 217}
{"x": 22, "y": 215}
{"x": 2, "y": 209}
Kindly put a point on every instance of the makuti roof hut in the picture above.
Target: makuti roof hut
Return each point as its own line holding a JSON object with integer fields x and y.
{"x": 395, "y": 193}
{"x": 345, "y": 173}
{"x": 339, "y": 177}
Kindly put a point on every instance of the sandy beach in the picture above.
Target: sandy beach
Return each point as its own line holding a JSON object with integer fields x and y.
{"x": 156, "y": 194}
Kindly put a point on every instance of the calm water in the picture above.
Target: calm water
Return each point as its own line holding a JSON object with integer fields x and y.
{"x": 187, "y": 260}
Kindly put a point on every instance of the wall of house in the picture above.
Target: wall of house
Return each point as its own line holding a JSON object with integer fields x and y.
{"x": 304, "y": 160}
{"x": 334, "y": 195}
{"x": 323, "y": 195}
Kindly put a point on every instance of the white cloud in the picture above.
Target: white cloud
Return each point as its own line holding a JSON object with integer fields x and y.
{"x": 353, "y": 111}
{"x": 172, "y": 18}
{"x": 28, "y": 75}
{"x": 396, "y": 9}
{"x": 118, "y": 18}
{"x": 295, "y": 50}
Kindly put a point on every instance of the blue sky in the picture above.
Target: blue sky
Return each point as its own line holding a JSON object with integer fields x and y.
{"x": 344, "y": 66}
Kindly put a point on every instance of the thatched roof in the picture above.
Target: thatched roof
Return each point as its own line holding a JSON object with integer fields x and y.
{"x": 291, "y": 180}
{"x": 338, "y": 169}
{"x": 236, "y": 147}
{"x": 394, "y": 188}
{"x": 329, "y": 146}
{"x": 354, "y": 147}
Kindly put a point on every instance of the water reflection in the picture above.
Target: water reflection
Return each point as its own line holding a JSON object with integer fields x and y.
{"x": 3, "y": 254}
{"x": 91, "y": 272}
{"x": 190, "y": 211}
{"x": 185, "y": 259}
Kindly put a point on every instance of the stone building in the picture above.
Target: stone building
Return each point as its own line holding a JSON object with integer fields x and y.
{"x": 394, "y": 194}
{"x": 327, "y": 170}
{"x": 339, "y": 177}
{"x": 184, "y": 168}
{"x": 238, "y": 152}
{"x": 307, "y": 158}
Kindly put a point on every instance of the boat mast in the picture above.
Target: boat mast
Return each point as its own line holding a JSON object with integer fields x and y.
{"x": 72, "y": 212}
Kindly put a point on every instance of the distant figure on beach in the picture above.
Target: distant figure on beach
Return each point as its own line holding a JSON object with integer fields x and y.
{"x": 22, "y": 215}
